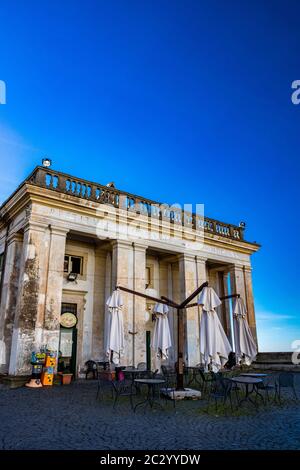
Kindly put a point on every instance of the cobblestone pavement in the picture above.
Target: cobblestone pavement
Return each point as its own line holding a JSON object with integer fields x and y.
{"x": 69, "y": 417}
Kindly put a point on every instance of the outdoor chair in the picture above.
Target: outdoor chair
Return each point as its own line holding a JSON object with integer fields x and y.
{"x": 285, "y": 380}
{"x": 195, "y": 375}
{"x": 207, "y": 379}
{"x": 266, "y": 387}
{"x": 102, "y": 385}
{"x": 170, "y": 377}
{"x": 142, "y": 366}
{"x": 222, "y": 389}
{"x": 91, "y": 367}
{"x": 122, "y": 388}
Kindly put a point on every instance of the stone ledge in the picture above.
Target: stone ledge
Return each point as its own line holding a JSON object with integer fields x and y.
{"x": 14, "y": 381}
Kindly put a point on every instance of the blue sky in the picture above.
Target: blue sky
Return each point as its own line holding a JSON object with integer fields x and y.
{"x": 180, "y": 101}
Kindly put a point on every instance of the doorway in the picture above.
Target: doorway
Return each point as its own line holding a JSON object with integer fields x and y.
{"x": 68, "y": 339}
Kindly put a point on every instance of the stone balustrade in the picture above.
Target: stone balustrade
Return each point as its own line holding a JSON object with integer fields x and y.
{"x": 73, "y": 186}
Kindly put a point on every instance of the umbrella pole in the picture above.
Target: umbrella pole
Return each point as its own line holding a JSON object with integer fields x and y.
{"x": 180, "y": 343}
{"x": 180, "y": 324}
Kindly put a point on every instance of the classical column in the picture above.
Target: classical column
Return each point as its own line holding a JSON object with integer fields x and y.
{"x": 122, "y": 274}
{"x": 9, "y": 296}
{"x": 139, "y": 303}
{"x": 237, "y": 281}
{"x": 192, "y": 274}
{"x": 250, "y": 300}
{"x": 30, "y": 303}
{"x": 51, "y": 325}
{"x": 108, "y": 292}
{"x": 241, "y": 283}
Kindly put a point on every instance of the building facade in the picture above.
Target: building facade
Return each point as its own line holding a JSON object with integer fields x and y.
{"x": 66, "y": 243}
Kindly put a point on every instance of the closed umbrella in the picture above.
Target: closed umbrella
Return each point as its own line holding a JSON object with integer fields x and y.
{"x": 161, "y": 340}
{"x": 2, "y": 352}
{"x": 214, "y": 344}
{"x": 245, "y": 347}
{"x": 115, "y": 331}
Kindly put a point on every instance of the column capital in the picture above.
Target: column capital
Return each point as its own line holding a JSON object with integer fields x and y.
{"x": 236, "y": 267}
{"x": 121, "y": 244}
{"x": 34, "y": 226}
{"x": 14, "y": 237}
{"x": 248, "y": 269}
{"x": 201, "y": 259}
{"x": 139, "y": 246}
{"x": 186, "y": 257}
{"x": 57, "y": 230}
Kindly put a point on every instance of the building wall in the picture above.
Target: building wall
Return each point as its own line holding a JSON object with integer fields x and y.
{"x": 34, "y": 284}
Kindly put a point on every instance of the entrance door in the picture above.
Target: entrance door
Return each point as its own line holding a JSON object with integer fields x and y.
{"x": 68, "y": 340}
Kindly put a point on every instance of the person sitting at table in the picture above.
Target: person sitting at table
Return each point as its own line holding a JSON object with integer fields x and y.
{"x": 231, "y": 361}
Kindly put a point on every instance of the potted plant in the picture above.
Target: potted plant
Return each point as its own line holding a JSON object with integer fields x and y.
{"x": 66, "y": 376}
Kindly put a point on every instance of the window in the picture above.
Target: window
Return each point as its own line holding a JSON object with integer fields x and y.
{"x": 73, "y": 264}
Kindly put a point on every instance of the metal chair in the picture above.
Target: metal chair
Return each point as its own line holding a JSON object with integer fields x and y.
{"x": 122, "y": 388}
{"x": 91, "y": 366}
{"x": 142, "y": 366}
{"x": 221, "y": 391}
{"x": 170, "y": 376}
{"x": 102, "y": 384}
{"x": 207, "y": 379}
{"x": 285, "y": 380}
{"x": 266, "y": 387}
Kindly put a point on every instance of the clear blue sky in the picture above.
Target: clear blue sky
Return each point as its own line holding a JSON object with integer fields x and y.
{"x": 181, "y": 101}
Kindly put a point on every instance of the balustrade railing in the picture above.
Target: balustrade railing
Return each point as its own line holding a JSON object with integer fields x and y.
{"x": 67, "y": 184}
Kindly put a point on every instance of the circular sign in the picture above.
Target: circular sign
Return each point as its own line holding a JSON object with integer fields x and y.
{"x": 68, "y": 320}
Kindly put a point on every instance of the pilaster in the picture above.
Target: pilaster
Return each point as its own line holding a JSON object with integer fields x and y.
{"x": 192, "y": 273}
{"x": 9, "y": 296}
{"x": 51, "y": 326}
{"x": 122, "y": 274}
{"x": 30, "y": 303}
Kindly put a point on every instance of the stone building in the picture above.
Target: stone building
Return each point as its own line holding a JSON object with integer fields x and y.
{"x": 65, "y": 243}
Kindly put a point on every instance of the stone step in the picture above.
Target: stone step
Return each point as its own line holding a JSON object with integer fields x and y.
{"x": 276, "y": 361}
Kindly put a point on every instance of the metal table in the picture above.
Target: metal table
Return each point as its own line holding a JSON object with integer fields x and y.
{"x": 254, "y": 375}
{"x": 134, "y": 373}
{"x": 150, "y": 398}
{"x": 247, "y": 381}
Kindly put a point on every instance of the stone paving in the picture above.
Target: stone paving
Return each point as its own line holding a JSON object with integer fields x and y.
{"x": 69, "y": 417}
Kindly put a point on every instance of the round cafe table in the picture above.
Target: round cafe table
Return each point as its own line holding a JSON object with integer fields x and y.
{"x": 133, "y": 372}
{"x": 247, "y": 382}
{"x": 254, "y": 374}
{"x": 150, "y": 398}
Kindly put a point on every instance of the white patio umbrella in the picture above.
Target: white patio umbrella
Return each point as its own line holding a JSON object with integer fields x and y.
{"x": 245, "y": 347}
{"x": 161, "y": 340}
{"x": 214, "y": 344}
{"x": 115, "y": 331}
{"x": 2, "y": 352}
